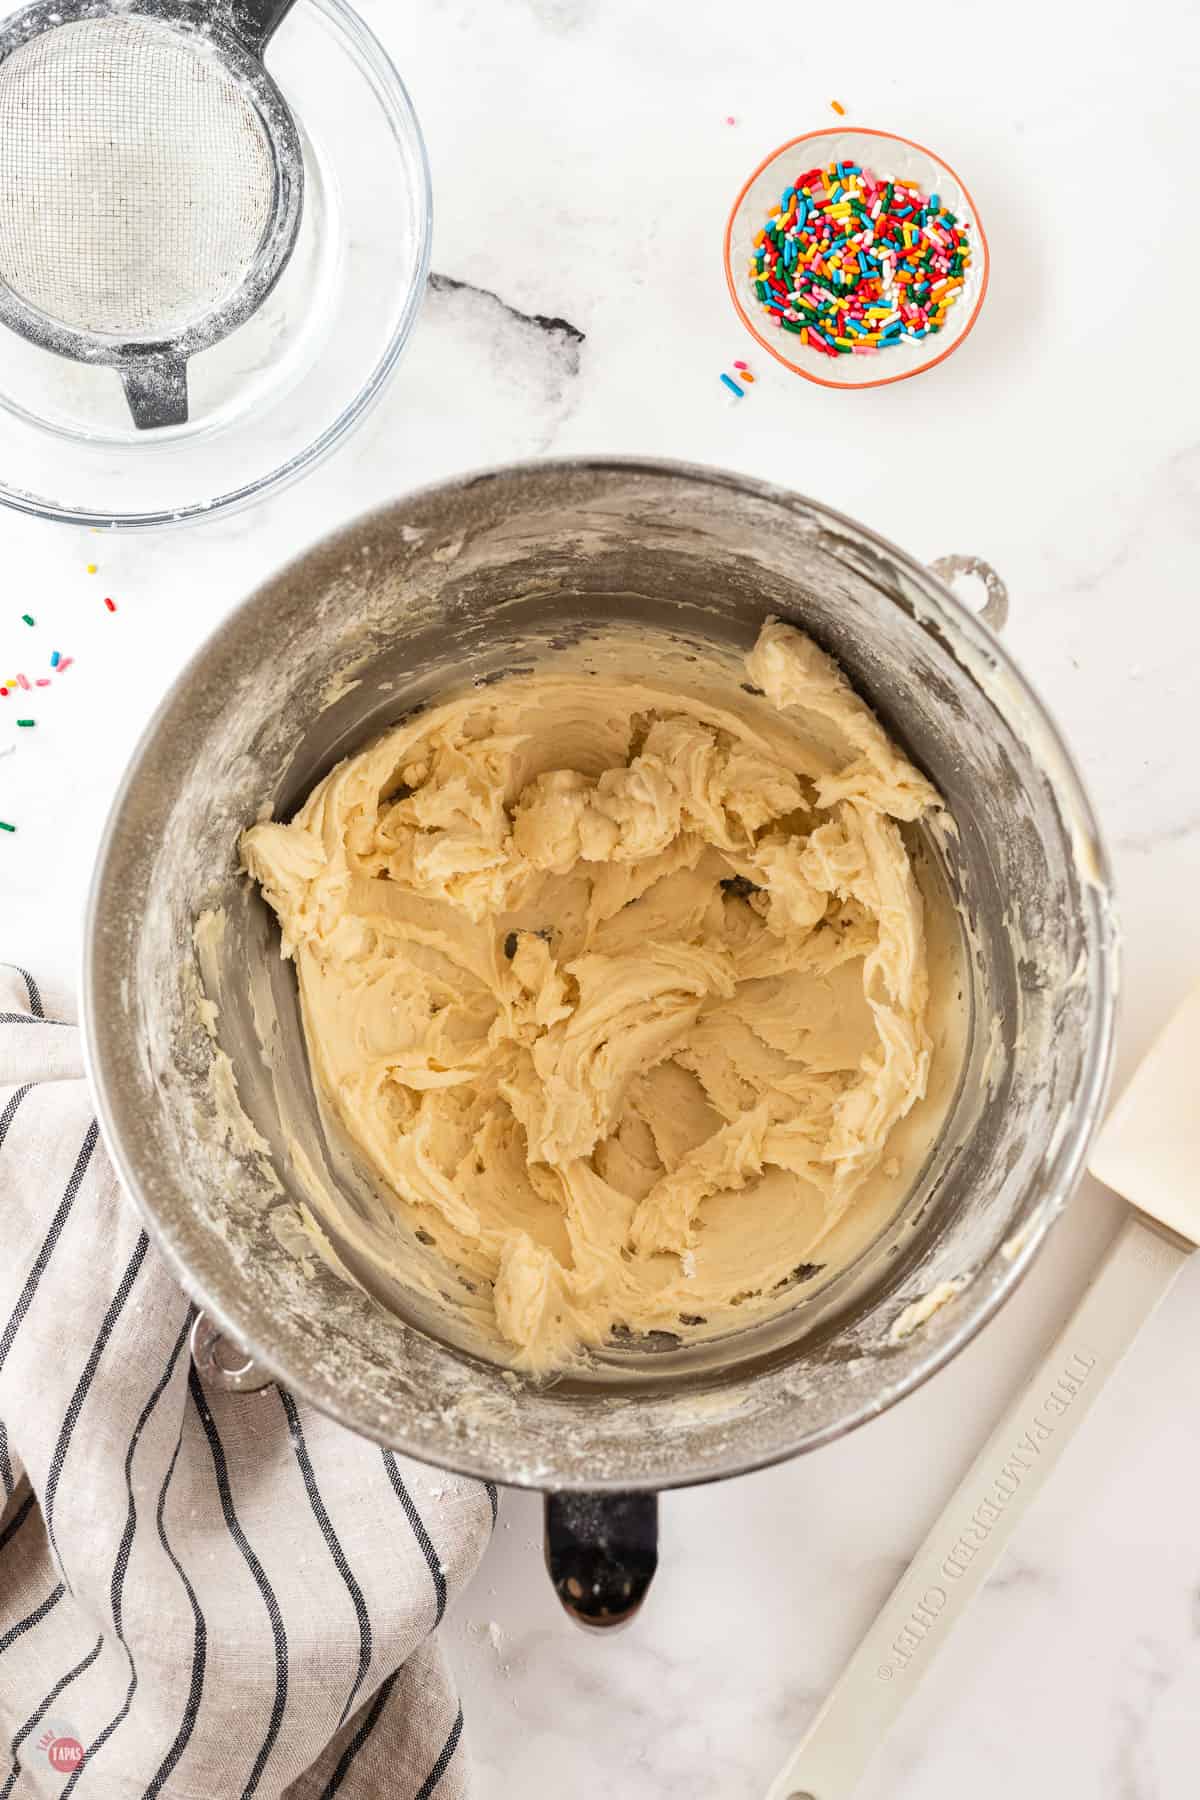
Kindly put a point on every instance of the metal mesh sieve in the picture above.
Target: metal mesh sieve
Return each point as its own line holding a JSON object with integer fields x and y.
{"x": 150, "y": 185}
{"x": 136, "y": 178}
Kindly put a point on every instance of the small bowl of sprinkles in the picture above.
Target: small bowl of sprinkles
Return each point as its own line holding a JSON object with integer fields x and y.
{"x": 855, "y": 257}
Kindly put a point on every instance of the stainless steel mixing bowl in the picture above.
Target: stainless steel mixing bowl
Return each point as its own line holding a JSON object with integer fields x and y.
{"x": 465, "y": 581}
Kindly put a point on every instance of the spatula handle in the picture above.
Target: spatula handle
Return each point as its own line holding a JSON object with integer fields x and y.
{"x": 968, "y": 1539}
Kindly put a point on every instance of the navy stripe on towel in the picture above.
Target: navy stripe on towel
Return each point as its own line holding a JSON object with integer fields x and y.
{"x": 199, "y": 1638}
{"x": 41, "y": 1260}
{"x": 121, "y": 1564}
{"x": 360, "y": 1737}
{"x": 18, "y": 1519}
{"x": 31, "y": 1619}
{"x": 443, "y": 1762}
{"x": 419, "y": 1532}
{"x": 116, "y": 1308}
{"x": 256, "y": 1569}
{"x": 31, "y": 988}
{"x": 337, "y": 1554}
{"x": 10, "y": 1109}
{"x": 31, "y": 1724}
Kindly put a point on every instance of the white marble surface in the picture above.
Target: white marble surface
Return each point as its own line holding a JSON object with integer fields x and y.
{"x": 582, "y": 170}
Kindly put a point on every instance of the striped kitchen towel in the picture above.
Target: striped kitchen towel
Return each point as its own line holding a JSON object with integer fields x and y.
{"x": 201, "y": 1593}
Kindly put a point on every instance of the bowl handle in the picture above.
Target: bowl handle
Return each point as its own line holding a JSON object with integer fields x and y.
{"x": 222, "y": 1363}
{"x": 994, "y": 611}
{"x": 601, "y": 1551}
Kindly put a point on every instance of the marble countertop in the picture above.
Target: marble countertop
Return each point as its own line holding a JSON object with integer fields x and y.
{"x": 583, "y": 165}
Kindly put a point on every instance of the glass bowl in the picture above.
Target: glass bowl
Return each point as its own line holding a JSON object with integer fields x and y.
{"x": 281, "y": 392}
{"x": 885, "y": 154}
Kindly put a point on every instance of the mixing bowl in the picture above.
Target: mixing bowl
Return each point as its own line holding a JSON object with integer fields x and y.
{"x": 463, "y": 582}
{"x": 276, "y": 396}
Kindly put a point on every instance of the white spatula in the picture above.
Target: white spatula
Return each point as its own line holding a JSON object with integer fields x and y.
{"x": 1149, "y": 1151}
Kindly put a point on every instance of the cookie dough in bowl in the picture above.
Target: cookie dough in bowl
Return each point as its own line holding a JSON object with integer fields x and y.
{"x": 660, "y": 575}
{"x": 618, "y": 986}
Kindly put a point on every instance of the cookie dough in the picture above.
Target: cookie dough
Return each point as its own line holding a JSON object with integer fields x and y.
{"x": 618, "y": 987}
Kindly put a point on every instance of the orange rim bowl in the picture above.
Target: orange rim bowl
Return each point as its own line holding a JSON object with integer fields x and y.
{"x": 841, "y": 134}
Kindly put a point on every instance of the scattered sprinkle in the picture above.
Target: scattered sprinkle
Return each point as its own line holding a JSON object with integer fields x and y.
{"x": 5, "y": 826}
{"x": 853, "y": 264}
{"x": 3, "y": 690}
{"x": 729, "y": 119}
{"x": 838, "y": 108}
{"x": 64, "y": 662}
{"x": 42, "y": 681}
{"x": 28, "y": 618}
{"x": 26, "y": 722}
{"x": 111, "y": 604}
{"x": 92, "y": 568}
{"x": 54, "y": 659}
{"x": 732, "y": 385}
{"x": 22, "y": 682}
{"x": 741, "y": 365}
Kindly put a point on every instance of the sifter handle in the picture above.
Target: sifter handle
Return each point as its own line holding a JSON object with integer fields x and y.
{"x": 255, "y": 22}
{"x": 155, "y": 383}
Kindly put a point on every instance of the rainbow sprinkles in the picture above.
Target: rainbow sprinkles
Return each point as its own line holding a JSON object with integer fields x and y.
{"x": 853, "y": 264}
